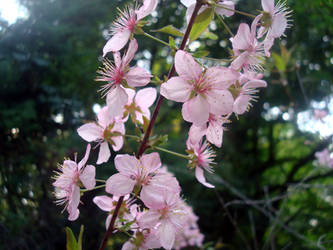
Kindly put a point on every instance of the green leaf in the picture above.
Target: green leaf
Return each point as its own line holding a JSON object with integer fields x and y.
{"x": 79, "y": 243}
{"x": 170, "y": 30}
{"x": 71, "y": 243}
{"x": 279, "y": 62}
{"x": 200, "y": 53}
{"x": 210, "y": 35}
{"x": 201, "y": 23}
{"x": 172, "y": 42}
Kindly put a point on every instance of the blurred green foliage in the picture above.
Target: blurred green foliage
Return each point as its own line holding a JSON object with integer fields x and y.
{"x": 47, "y": 70}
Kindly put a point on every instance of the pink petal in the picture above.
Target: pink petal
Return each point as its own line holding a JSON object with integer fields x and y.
{"x": 221, "y": 77}
{"x": 85, "y": 158}
{"x": 220, "y": 102}
{"x": 243, "y": 38}
{"x": 117, "y": 59}
{"x": 196, "y": 110}
{"x": 119, "y": 185}
{"x": 268, "y": 5}
{"x": 241, "y": 104}
{"x": 187, "y": 3}
{"x": 116, "y": 100}
{"x": 214, "y": 134}
{"x": 104, "y": 153}
{"x": 224, "y": 12}
{"x": 137, "y": 77}
{"x": 148, "y": 7}
{"x": 150, "y": 162}
{"x": 253, "y": 84}
{"x": 240, "y": 61}
{"x": 196, "y": 133}
{"x": 145, "y": 97}
{"x": 279, "y": 25}
{"x": 73, "y": 203}
{"x": 119, "y": 142}
{"x": 87, "y": 177}
{"x": 149, "y": 219}
{"x": 130, "y": 53}
{"x": 167, "y": 234}
{"x": 104, "y": 118}
{"x": 128, "y": 246}
{"x": 186, "y": 66}
{"x": 90, "y": 132}
{"x": 131, "y": 94}
{"x": 108, "y": 221}
{"x": 117, "y": 41}
{"x": 268, "y": 43}
{"x": 127, "y": 164}
{"x": 176, "y": 89}
{"x": 199, "y": 174}
{"x": 104, "y": 202}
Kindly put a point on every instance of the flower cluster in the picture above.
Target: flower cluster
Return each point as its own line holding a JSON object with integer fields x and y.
{"x": 143, "y": 196}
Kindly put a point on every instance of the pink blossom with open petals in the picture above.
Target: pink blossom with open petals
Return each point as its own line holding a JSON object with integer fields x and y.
{"x": 190, "y": 4}
{"x": 139, "y": 173}
{"x": 274, "y": 22}
{"x": 168, "y": 217}
{"x": 202, "y": 92}
{"x": 201, "y": 158}
{"x": 106, "y": 130}
{"x": 249, "y": 52}
{"x": 68, "y": 180}
{"x": 246, "y": 89}
{"x": 138, "y": 104}
{"x": 143, "y": 240}
{"x": 124, "y": 26}
{"x": 116, "y": 74}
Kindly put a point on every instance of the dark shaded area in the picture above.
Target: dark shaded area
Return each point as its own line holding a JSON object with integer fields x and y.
{"x": 47, "y": 70}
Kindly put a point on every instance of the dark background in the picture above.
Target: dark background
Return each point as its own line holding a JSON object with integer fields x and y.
{"x": 269, "y": 194}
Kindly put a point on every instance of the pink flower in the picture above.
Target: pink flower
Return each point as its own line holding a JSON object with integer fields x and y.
{"x": 127, "y": 212}
{"x": 126, "y": 24}
{"x": 246, "y": 88}
{"x": 190, "y": 4}
{"x": 68, "y": 181}
{"x": 324, "y": 158}
{"x": 134, "y": 174}
{"x": 248, "y": 51}
{"x": 115, "y": 76}
{"x": 213, "y": 132}
{"x": 106, "y": 130}
{"x": 274, "y": 22}
{"x": 201, "y": 156}
{"x": 167, "y": 218}
{"x": 138, "y": 106}
{"x": 202, "y": 92}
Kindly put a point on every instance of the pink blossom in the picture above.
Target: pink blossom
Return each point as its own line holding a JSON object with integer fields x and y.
{"x": 246, "y": 88}
{"x": 125, "y": 25}
{"x": 190, "y": 4}
{"x": 118, "y": 74}
{"x": 138, "y": 106}
{"x": 126, "y": 213}
{"x": 324, "y": 158}
{"x": 134, "y": 173}
{"x": 274, "y": 22}
{"x": 68, "y": 181}
{"x": 106, "y": 130}
{"x": 248, "y": 51}
{"x": 202, "y": 92}
{"x": 213, "y": 131}
{"x": 167, "y": 218}
{"x": 201, "y": 156}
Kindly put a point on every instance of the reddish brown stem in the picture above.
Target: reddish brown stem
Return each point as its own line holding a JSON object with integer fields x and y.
{"x": 144, "y": 144}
